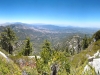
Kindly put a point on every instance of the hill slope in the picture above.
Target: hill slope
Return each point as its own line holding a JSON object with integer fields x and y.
{"x": 7, "y": 66}
{"x": 79, "y": 61}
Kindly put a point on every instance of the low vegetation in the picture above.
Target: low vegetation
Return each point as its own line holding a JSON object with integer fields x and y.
{"x": 8, "y": 67}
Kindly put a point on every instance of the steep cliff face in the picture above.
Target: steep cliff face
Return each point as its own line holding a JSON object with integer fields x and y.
{"x": 75, "y": 44}
{"x": 94, "y": 62}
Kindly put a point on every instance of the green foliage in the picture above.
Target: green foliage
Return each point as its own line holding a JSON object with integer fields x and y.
{"x": 46, "y": 51}
{"x": 7, "y": 39}
{"x": 67, "y": 67}
{"x": 97, "y": 35}
{"x": 67, "y": 64}
{"x": 80, "y": 70}
{"x": 61, "y": 59}
{"x": 46, "y": 54}
{"x": 28, "y": 48}
{"x": 8, "y": 67}
{"x": 85, "y": 42}
{"x": 79, "y": 61}
{"x": 49, "y": 57}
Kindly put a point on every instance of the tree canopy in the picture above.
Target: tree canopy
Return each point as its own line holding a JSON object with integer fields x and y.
{"x": 96, "y": 36}
{"x": 28, "y": 47}
{"x": 85, "y": 42}
{"x": 7, "y": 39}
{"x": 46, "y": 51}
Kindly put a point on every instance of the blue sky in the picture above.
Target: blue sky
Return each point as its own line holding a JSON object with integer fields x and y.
{"x": 82, "y": 13}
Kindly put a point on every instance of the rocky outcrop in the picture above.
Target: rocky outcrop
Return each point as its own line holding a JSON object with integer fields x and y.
{"x": 75, "y": 44}
{"x": 3, "y": 55}
{"x": 94, "y": 62}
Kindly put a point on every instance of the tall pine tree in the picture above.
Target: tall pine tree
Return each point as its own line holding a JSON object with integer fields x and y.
{"x": 7, "y": 39}
{"x": 85, "y": 42}
{"x": 46, "y": 51}
{"x": 28, "y": 47}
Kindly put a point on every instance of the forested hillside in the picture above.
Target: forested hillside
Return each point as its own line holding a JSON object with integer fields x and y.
{"x": 38, "y": 33}
{"x": 65, "y": 57}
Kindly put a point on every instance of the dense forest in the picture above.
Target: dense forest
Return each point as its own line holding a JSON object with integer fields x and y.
{"x": 66, "y": 58}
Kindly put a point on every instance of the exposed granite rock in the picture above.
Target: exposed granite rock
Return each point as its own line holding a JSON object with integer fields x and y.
{"x": 94, "y": 61}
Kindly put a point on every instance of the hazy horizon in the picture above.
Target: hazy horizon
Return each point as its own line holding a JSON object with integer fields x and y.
{"x": 77, "y": 13}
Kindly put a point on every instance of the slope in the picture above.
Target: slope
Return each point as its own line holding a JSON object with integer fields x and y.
{"x": 79, "y": 61}
{"x": 7, "y": 66}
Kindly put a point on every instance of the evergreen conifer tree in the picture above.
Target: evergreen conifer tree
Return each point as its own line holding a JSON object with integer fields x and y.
{"x": 28, "y": 47}
{"x": 46, "y": 51}
{"x": 7, "y": 39}
{"x": 85, "y": 42}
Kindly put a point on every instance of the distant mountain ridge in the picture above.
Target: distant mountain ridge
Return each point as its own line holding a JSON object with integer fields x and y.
{"x": 53, "y": 28}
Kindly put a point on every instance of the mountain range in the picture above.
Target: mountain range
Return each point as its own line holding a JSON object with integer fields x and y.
{"x": 40, "y": 32}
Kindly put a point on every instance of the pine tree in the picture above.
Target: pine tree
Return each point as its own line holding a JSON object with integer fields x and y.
{"x": 46, "y": 51}
{"x": 7, "y": 39}
{"x": 85, "y": 42}
{"x": 28, "y": 47}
